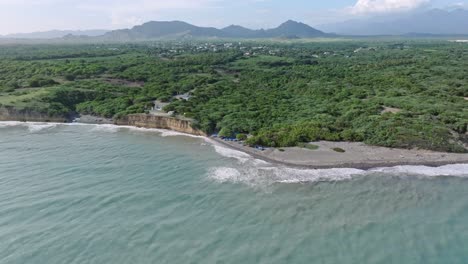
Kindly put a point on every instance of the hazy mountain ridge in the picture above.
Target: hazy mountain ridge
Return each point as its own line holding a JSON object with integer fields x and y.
{"x": 434, "y": 22}
{"x": 51, "y": 34}
{"x": 167, "y": 29}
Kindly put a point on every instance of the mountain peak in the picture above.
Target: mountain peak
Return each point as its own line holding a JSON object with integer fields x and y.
{"x": 177, "y": 29}
{"x": 230, "y": 27}
{"x": 165, "y": 22}
{"x": 290, "y": 21}
{"x": 298, "y": 29}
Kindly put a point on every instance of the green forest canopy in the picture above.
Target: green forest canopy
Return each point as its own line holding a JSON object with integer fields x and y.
{"x": 403, "y": 94}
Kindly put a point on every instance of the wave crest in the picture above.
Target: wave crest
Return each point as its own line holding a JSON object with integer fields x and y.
{"x": 106, "y": 128}
{"x": 232, "y": 153}
{"x": 33, "y": 127}
{"x": 460, "y": 170}
{"x": 260, "y": 175}
{"x": 255, "y": 175}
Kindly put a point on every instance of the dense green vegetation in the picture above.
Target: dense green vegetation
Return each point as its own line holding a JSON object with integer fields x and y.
{"x": 387, "y": 93}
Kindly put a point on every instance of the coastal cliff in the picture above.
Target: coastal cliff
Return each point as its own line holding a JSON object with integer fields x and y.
{"x": 28, "y": 115}
{"x": 137, "y": 120}
{"x": 160, "y": 122}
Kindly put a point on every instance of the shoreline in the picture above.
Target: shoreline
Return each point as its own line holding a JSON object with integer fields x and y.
{"x": 370, "y": 157}
{"x": 315, "y": 159}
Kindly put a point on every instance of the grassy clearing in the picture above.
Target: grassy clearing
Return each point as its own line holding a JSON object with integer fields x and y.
{"x": 24, "y": 98}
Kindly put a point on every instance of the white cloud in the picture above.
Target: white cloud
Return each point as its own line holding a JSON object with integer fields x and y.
{"x": 463, "y": 5}
{"x": 127, "y": 13}
{"x": 363, "y": 7}
{"x": 11, "y": 3}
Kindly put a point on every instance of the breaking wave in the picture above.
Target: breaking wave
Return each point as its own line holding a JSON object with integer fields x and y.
{"x": 161, "y": 132}
{"x": 255, "y": 175}
{"x": 251, "y": 171}
{"x": 460, "y": 170}
{"x": 247, "y": 169}
{"x": 106, "y": 128}
{"x": 252, "y": 175}
{"x": 38, "y": 126}
{"x": 32, "y": 127}
{"x": 232, "y": 153}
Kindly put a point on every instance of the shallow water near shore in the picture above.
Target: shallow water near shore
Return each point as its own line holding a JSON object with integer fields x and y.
{"x": 105, "y": 194}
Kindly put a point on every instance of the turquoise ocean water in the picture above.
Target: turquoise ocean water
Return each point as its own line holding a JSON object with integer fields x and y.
{"x": 102, "y": 194}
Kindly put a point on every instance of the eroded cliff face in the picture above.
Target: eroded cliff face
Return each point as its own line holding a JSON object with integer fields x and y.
{"x": 160, "y": 122}
{"x": 27, "y": 115}
{"x": 137, "y": 120}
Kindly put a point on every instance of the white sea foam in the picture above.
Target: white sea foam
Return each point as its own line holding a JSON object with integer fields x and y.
{"x": 106, "y": 128}
{"x": 255, "y": 175}
{"x": 161, "y": 132}
{"x": 252, "y": 174}
{"x": 460, "y": 170}
{"x": 115, "y": 128}
{"x": 288, "y": 175}
{"x": 260, "y": 162}
{"x": 33, "y": 127}
{"x": 142, "y": 129}
{"x": 232, "y": 153}
{"x": 37, "y": 126}
{"x": 10, "y": 123}
{"x": 225, "y": 174}
{"x": 254, "y": 171}
{"x": 169, "y": 133}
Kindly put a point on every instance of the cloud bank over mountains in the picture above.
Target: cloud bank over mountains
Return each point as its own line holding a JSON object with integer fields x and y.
{"x": 369, "y": 7}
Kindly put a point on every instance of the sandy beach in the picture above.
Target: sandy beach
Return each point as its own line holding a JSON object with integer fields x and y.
{"x": 356, "y": 155}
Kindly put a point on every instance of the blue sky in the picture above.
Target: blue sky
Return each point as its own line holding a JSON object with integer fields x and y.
{"x": 39, "y": 15}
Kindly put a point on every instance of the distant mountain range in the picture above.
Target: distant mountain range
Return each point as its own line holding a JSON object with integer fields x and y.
{"x": 178, "y": 29}
{"x": 52, "y": 34}
{"x": 431, "y": 22}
